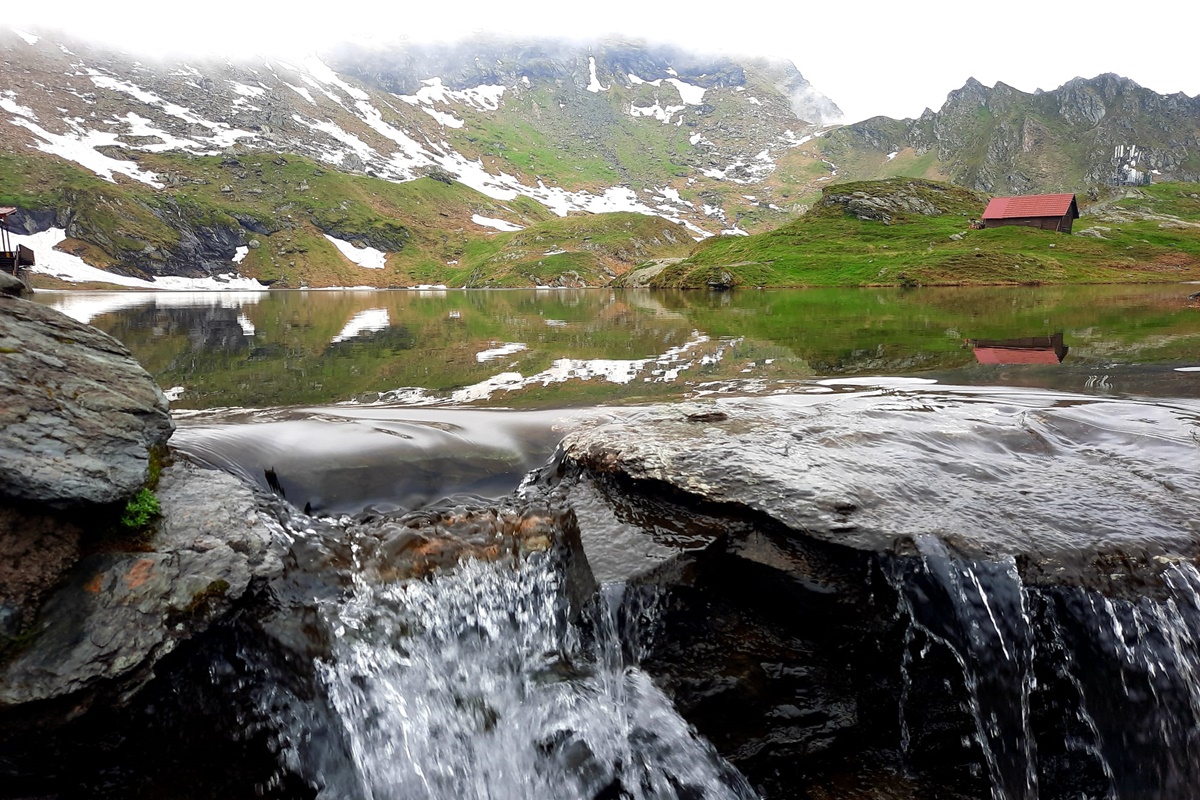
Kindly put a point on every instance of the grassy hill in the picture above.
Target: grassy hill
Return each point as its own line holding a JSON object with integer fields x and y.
{"x": 904, "y": 231}
{"x": 282, "y": 207}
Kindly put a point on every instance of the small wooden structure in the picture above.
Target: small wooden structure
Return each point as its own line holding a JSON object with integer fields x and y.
{"x": 1050, "y": 212}
{"x": 13, "y": 260}
{"x": 1030, "y": 350}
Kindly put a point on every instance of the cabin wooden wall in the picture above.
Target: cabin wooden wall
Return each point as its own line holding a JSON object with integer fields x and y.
{"x": 1045, "y": 223}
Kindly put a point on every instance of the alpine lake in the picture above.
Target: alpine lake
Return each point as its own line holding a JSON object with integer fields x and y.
{"x": 569, "y": 348}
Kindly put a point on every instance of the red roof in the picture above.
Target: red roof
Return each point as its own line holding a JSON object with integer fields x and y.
{"x": 1034, "y": 205}
{"x": 5, "y": 211}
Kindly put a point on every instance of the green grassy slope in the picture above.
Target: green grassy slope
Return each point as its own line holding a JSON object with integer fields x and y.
{"x": 1156, "y": 238}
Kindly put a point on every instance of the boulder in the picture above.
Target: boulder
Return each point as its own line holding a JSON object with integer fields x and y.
{"x": 79, "y": 417}
{"x": 12, "y": 286}
{"x": 128, "y": 605}
{"x": 910, "y": 591}
{"x": 1006, "y": 476}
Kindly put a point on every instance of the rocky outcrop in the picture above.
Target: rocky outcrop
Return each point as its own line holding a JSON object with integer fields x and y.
{"x": 876, "y": 474}
{"x": 88, "y": 603}
{"x": 79, "y": 418}
{"x": 884, "y": 201}
{"x": 998, "y": 139}
{"x": 80, "y": 423}
{"x": 899, "y": 573}
{"x": 12, "y": 286}
{"x": 121, "y": 612}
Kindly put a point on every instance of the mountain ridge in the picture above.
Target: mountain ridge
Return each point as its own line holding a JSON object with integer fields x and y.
{"x": 1089, "y": 132}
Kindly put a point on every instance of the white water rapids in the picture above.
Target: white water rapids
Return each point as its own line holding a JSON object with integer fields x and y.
{"x": 475, "y": 686}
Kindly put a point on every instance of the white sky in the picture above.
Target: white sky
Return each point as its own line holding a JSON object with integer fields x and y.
{"x": 870, "y": 57}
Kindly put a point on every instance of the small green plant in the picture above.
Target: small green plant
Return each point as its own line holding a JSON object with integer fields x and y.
{"x": 140, "y": 510}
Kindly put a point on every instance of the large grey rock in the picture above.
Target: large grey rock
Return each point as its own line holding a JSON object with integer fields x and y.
{"x": 78, "y": 415}
{"x": 909, "y": 572}
{"x": 1078, "y": 489}
{"x": 121, "y": 612}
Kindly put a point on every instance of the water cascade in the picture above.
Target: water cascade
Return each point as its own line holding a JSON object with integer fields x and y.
{"x": 476, "y": 683}
{"x": 1063, "y": 689}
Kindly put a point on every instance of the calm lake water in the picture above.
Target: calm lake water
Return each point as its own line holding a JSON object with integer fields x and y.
{"x": 561, "y": 348}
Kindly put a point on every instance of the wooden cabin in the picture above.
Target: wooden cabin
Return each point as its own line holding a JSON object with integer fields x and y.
{"x": 1050, "y": 212}
{"x": 13, "y": 258}
{"x": 1030, "y": 350}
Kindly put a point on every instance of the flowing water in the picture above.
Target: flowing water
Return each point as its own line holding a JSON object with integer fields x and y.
{"x": 1124, "y": 709}
{"x": 475, "y": 685}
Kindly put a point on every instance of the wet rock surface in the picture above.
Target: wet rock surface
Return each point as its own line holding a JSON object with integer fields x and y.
{"x": 837, "y": 591}
{"x": 1078, "y": 490}
{"x": 80, "y": 422}
{"x": 123, "y": 610}
{"x": 887, "y": 604}
{"x": 79, "y": 415}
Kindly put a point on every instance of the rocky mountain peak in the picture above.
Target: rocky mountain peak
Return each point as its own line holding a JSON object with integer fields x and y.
{"x": 1089, "y": 131}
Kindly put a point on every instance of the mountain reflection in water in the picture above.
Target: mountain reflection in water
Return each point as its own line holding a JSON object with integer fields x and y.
{"x": 582, "y": 347}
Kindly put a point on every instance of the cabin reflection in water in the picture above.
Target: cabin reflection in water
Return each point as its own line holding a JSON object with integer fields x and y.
{"x": 1029, "y": 350}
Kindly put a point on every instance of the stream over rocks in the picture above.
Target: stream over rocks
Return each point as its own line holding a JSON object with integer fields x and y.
{"x": 898, "y": 590}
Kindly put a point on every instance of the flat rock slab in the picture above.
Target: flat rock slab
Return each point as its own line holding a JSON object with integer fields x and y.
{"x": 78, "y": 415}
{"x": 992, "y": 473}
{"x": 123, "y": 611}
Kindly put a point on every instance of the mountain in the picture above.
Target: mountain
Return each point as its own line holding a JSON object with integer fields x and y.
{"x": 156, "y": 168}
{"x": 467, "y": 164}
{"x": 1102, "y": 131}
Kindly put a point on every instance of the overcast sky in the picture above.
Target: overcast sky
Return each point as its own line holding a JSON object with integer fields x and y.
{"x": 891, "y": 58}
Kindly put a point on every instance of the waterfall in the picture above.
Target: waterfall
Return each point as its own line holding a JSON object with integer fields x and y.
{"x": 1061, "y": 685}
{"x": 978, "y": 611}
{"x": 476, "y": 684}
{"x": 1136, "y": 666}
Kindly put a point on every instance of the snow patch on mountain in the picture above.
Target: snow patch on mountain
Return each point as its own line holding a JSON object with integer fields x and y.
{"x": 80, "y": 145}
{"x": 300, "y": 90}
{"x": 322, "y": 73}
{"x": 443, "y": 118}
{"x": 594, "y": 84}
{"x": 222, "y": 134}
{"x": 636, "y": 81}
{"x": 485, "y": 97}
{"x": 663, "y": 115}
{"x": 141, "y": 127}
{"x": 73, "y": 269}
{"x": 246, "y": 91}
{"x": 365, "y": 257}
{"x": 498, "y": 224}
{"x": 691, "y": 95}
